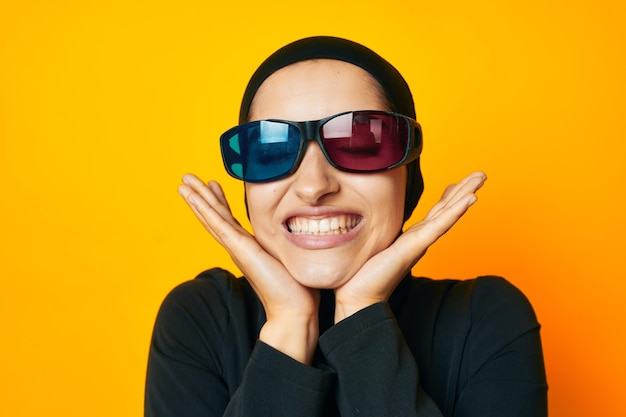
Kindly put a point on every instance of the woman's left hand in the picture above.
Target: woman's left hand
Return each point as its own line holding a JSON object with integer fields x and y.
{"x": 380, "y": 275}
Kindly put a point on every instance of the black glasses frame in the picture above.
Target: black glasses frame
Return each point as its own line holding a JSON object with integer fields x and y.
{"x": 310, "y": 131}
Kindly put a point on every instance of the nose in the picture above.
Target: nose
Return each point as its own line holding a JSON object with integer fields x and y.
{"x": 315, "y": 178}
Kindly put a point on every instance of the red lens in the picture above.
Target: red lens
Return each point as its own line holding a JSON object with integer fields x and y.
{"x": 366, "y": 141}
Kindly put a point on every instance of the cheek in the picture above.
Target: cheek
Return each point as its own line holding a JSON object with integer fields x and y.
{"x": 389, "y": 197}
{"x": 261, "y": 202}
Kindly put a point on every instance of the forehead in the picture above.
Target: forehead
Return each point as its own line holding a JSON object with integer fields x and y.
{"x": 315, "y": 89}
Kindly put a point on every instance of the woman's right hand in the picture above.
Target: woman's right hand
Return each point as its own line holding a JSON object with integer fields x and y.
{"x": 291, "y": 309}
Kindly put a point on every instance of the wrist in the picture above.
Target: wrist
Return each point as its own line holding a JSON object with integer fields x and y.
{"x": 344, "y": 309}
{"x": 296, "y": 337}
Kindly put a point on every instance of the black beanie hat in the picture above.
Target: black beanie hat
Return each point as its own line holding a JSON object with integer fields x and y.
{"x": 325, "y": 47}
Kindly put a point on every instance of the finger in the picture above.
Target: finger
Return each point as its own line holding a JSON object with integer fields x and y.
{"x": 203, "y": 211}
{"x": 449, "y": 210}
{"x": 470, "y": 183}
{"x": 463, "y": 191}
{"x": 456, "y": 206}
{"x": 451, "y": 213}
{"x": 447, "y": 191}
{"x": 445, "y": 198}
{"x": 212, "y": 194}
{"x": 213, "y": 215}
{"x": 218, "y": 192}
{"x": 198, "y": 186}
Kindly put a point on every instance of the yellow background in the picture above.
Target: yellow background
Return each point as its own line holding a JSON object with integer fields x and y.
{"x": 104, "y": 105}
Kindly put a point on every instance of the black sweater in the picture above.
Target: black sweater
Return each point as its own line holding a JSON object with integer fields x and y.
{"x": 475, "y": 343}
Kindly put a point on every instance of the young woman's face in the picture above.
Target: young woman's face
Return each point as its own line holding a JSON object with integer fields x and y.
{"x": 323, "y": 224}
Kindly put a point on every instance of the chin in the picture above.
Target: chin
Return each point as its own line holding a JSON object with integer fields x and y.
{"x": 321, "y": 275}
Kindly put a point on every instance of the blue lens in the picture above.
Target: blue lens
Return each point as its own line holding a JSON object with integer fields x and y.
{"x": 261, "y": 151}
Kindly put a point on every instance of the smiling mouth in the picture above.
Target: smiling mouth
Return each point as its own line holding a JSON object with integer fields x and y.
{"x": 336, "y": 225}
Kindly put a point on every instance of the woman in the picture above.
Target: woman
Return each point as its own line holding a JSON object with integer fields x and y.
{"x": 327, "y": 320}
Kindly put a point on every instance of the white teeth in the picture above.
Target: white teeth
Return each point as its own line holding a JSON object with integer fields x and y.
{"x": 334, "y": 225}
{"x": 331, "y": 225}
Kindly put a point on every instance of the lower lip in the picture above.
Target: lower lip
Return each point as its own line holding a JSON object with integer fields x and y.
{"x": 322, "y": 241}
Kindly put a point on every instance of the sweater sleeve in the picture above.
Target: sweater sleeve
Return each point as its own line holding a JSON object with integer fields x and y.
{"x": 276, "y": 385}
{"x": 376, "y": 372}
{"x": 205, "y": 361}
{"x": 502, "y": 372}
